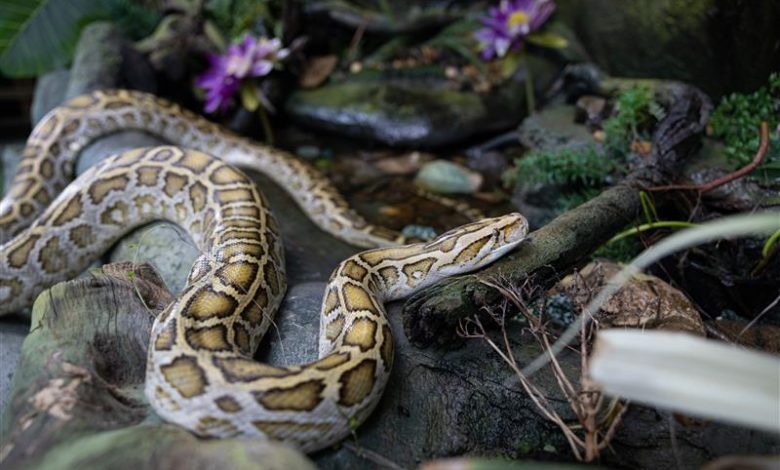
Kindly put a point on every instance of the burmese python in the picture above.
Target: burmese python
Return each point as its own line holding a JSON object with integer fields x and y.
{"x": 200, "y": 371}
{"x": 47, "y": 164}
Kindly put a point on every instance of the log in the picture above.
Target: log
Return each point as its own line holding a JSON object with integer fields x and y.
{"x": 431, "y": 316}
{"x": 77, "y": 396}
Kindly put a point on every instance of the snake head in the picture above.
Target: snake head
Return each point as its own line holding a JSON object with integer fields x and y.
{"x": 507, "y": 231}
{"x": 479, "y": 243}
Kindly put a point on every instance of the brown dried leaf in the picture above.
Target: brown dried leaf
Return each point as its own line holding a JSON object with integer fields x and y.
{"x": 644, "y": 302}
{"x": 317, "y": 70}
{"x": 405, "y": 164}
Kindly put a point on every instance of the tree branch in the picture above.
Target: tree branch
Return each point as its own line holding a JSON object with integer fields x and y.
{"x": 431, "y": 316}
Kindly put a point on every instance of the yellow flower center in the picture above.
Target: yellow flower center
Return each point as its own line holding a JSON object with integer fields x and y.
{"x": 518, "y": 18}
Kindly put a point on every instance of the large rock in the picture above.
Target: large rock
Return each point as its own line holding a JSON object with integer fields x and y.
{"x": 397, "y": 17}
{"x": 415, "y": 114}
{"x": 50, "y": 91}
{"x": 98, "y": 60}
{"x": 12, "y": 333}
{"x": 718, "y": 46}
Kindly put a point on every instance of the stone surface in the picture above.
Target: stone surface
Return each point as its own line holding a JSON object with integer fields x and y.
{"x": 98, "y": 59}
{"x": 49, "y": 92}
{"x": 718, "y": 46}
{"x": 397, "y": 17}
{"x": 12, "y": 334}
{"x": 420, "y": 115}
{"x": 77, "y": 400}
{"x": 741, "y": 195}
{"x": 553, "y": 127}
{"x": 11, "y": 155}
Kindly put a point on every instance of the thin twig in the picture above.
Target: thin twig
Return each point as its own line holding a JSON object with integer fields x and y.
{"x": 758, "y": 317}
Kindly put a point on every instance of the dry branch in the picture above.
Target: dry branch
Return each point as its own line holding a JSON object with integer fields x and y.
{"x": 432, "y": 315}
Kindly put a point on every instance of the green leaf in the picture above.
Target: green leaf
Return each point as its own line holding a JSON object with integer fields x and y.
{"x": 510, "y": 63}
{"x": 39, "y": 35}
{"x": 249, "y": 97}
{"x": 547, "y": 39}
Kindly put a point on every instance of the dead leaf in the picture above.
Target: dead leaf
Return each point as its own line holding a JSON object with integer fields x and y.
{"x": 405, "y": 164}
{"x": 644, "y": 302}
{"x": 317, "y": 70}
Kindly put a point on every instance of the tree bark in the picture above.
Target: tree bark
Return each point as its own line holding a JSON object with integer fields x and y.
{"x": 431, "y": 316}
{"x": 77, "y": 396}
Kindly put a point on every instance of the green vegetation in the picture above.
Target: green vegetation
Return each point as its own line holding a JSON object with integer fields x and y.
{"x": 584, "y": 166}
{"x": 735, "y": 121}
{"x": 234, "y": 17}
{"x": 582, "y": 172}
{"x": 635, "y": 112}
{"x": 134, "y": 19}
{"x": 39, "y": 35}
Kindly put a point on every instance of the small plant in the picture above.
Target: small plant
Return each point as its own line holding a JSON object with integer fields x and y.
{"x": 233, "y": 17}
{"x": 635, "y": 110}
{"x": 584, "y": 166}
{"x": 736, "y": 118}
{"x": 597, "y": 416}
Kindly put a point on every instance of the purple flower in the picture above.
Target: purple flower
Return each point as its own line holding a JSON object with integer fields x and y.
{"x": 248, "y": 58}
{"x": 506, "y": 25}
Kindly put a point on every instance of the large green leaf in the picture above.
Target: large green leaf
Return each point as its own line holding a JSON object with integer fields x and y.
{"x": 39, "y": 35}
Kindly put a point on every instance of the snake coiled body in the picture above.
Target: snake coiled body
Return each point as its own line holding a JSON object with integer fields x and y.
{"x": 200, "y": 371}
{"x": 47, "y": 164}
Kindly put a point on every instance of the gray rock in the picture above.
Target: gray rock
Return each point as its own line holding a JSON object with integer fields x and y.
{"x": 552, "y": 128}
{"x": 414, "y": 114}
{"x": 397, "y": 17}
{"x": 166, "y": 247}
{"x": 446, "y": 177}
{"x": 113, "y": 144}
{"x": 492, "y": 164}
{"x": 49, "y": 93}
{"x": 98, "y": 59}
{"x": 11, "y": 155}
{"x": 740, "y": 195}
{"x": 717, "y": 46}
{"x": 549, "y": 129}
{"x": 292, "y": 339}
{"x": 12, "y": 334}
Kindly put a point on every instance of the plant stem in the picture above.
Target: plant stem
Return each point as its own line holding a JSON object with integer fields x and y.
{"x": 530, "y": 99}
{"x": 650, "y": 226}
{"x": 267, "y": 130}
{"x": 770, "y": 242}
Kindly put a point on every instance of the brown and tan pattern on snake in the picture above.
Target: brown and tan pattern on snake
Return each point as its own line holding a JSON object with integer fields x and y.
{"x": 200, "y": 371}
{"x": 48, "y": 161}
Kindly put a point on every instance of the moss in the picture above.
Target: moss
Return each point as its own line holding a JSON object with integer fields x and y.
{"x": 635, "y": 112}
{"x": 234, "y": 17}
{"x": 735, "y": 121}
{"x": 584, "y": 166}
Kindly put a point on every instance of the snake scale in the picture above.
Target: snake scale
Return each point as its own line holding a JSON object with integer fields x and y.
{"x": 200, "y": 371}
